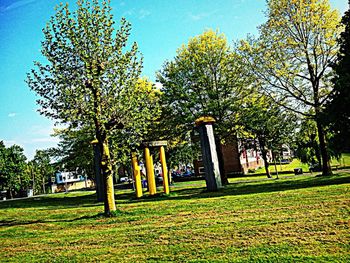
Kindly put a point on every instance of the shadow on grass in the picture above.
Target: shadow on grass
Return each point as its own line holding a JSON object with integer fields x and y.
{"x": 53, "y": 202}
{"x": 14, "y": 222}
{"x": 241, "y": 188}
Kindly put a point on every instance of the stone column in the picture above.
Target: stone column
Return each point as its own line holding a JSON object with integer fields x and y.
{"x": 151, "y": 181}
{"x": 164, "y": 170}
{"x": 210, "y": 157}
{"x": 100, "y": 190}
{"x": 137, "y": 175}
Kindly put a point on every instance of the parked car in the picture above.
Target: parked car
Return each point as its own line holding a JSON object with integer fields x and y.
{"x": 125, "y": 180}
{"x": 188, "y": 173}
{"x": 285, "y": 161}
{"x": 159, "y": 180}
{"x": 176, "y": 174}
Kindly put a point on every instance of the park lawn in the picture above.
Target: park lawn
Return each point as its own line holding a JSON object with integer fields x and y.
{"x": 344, "y": 160}
{"x": 296, "y": 163}
{"x": 305, "y": 219}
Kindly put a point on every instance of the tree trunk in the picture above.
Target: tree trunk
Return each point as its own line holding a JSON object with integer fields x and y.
{"x": 105, "y": 158}
{"x": 326, "y": 168}
{"x": 274, "y": 159}
{"x": 264, "y": 156}
{"x": 32, "y": 174}
{"x": 100, "y": 191}
{"x": 107, "y": 174}
{"x": 43, "y": 185}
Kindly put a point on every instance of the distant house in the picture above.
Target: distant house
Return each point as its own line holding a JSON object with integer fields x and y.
{"x": 250, "y": 159}
{"x": 65, "y": 181}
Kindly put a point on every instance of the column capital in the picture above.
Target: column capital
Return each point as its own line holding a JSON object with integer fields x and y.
{"x": 204, "y": 120}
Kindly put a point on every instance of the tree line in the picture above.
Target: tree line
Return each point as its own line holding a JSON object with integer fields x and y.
{"x": 18, "y": 175}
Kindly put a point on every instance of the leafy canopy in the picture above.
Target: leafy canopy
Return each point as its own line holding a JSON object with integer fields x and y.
{"x": 205, "y": 78}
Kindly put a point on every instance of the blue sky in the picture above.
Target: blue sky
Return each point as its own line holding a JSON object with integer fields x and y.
{"x": 158, "y": 26}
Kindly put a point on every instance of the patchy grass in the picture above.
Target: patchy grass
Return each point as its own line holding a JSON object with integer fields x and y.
{"x": 344, "y": 160}
{"x": 285, "y": 167}
{"x": 303, "y": 219}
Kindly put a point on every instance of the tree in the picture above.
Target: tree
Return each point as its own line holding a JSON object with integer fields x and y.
{"x": 74, "y": 151}
{"x": 204, "y": 79}
{"x": 90, "y": 77}
{"x": 293, "y": 55}
{"x": 268, "y": 124}
{"x": 12, "y": 169}
{"x": 3, "y": 157}
{"x": 43, "y": 167}
{"x": 337, "y": 111}
{"x": 307, "y": 144}
{"x": 142, "y": 127}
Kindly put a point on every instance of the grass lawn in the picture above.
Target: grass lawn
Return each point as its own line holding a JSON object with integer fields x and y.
{"x": 344, "y": 161}
{"x": 303, "y": 219}
{"x": 285, "y": 167}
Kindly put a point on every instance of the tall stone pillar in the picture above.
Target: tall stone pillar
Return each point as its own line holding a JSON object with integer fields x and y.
{"x": 100, "y": 189}
{"x": 137, "y": 175}
{"x": 151, "y": 181}
{"x": 164, "y": 170}
{"x": 210, "y": 157}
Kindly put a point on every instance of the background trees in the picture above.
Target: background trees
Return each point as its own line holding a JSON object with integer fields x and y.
{"x": 293, "y": 55}
{"x": 43, "y": 170}
{"x": 337, "y": 111}
{"x": 268, "y": 124}
{"x": 74, "y": 151}
{"x": 13, "y": 176}
{"x": 204, "y": 79}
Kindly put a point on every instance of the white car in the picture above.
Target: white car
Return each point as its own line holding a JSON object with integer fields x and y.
{"x": 124, "y": 179}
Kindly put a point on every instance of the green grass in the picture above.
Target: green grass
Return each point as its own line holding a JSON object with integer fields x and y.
{"x": 344, "y": 161}
{"x": 300, "y": 219}
{"x": 285, "y": 167}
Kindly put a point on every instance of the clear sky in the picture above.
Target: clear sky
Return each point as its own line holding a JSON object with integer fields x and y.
{"x": 158, "y": 26}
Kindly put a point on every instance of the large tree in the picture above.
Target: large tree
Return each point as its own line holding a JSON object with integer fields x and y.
{"x": 338, "y": 113}
{"x": 293, "y": 55}
{"x": 90, "y": 77}
{"x": 206, "y": 78}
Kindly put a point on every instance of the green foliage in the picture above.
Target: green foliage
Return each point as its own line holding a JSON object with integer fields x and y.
{"x": 292, "y": 58}
{"x": 74, "y": 152}
{"x": 268, "y": 123}
{"x": 308, "y": 149}
{"x": 141, "y": 128}
{"x": 182, "y": 153}
{"x": 43, "y": 171}
{"x": 206, "y": 78}
{"x": 13, "y": 176}
{"x": 337, "y": 112}
{"x": 91, "y": 79}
